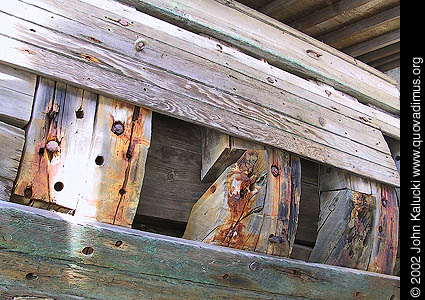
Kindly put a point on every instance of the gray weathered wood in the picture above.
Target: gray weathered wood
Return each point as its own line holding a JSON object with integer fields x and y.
{"x": 163, "y": 267}
{"x": 374, "y": 43}
{"x": 288, "y": 129}
{"x": 259, "y": 39}
{"x": 16, "y": 95}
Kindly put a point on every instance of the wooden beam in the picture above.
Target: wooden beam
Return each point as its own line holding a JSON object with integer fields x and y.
{"x": 327, "y": 13}
{"x": 274, "y": 6}
{"x": 213, "y": 110}
{"x": 253, "y": 205}
{"x": 373, "y": 44}
{"x": 11, "y": 144}
{"x": 359, "y": 26}
{"x": 390, "y": 65}
{"x": 380, "y": 53}
{"x": 259, "y": 39}
{"x": 382, "y": 61}
{"x": 358, "y": 223}
{"x": 84, "y": 154}
{"x": 16, "y": 95}
{"x": 41, "y": 252}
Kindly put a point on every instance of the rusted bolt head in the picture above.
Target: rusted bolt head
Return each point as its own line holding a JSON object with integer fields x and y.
{"x": 117, "y": 128}
{"x": 140, "y": 44}
{"x": 254, "y": 266}
{"x": 275, "y": 171}
{"x": 52, "y": 146}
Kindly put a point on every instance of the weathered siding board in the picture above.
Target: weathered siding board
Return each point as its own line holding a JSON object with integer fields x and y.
{"x": 161, "y": 263}
{"x": 16, "y": 95}
{"x": 76, "y": 160}
{"x": 259, "y": 39}
{"x": 212, "y": 111}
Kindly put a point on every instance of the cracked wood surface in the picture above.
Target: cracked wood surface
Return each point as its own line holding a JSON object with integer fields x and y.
{"x": 253, "y": 205}
{"x": 73, "y": 159}
{"x": 219, "y": 19}
{"x": 49, "y": 246}
{"x": 358, "y": 223}
{"x": 182, "y": 83}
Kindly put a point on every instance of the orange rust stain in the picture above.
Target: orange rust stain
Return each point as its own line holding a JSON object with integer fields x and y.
{"x": 28, "y": 51}
{"x": 232, "y": 232}
{"x": 90, "y": 58}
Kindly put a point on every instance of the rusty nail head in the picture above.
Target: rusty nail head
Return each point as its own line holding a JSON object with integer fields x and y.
{"x": 117, "y": 128}
{"x": 123, "y": 22}
{"x": 140, "y": 44}
{"x": 254, "y": 266}
{"x": 213, "y": 188}
{"x": 275, "y": 171}
{"x": 52, "y": 146}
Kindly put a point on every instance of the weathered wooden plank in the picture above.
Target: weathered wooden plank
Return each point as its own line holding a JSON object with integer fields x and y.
{"x": 181, "y": 112}
{"x": 259, "y": 39}
{"x": 57, "y": 240}
{"x": 219, "y": 151}
{"x": 374, "y": 43}
{"x": 358, "y": 223}
{"x": 172, "y": 175}
{"x": 84, "y": 154}
{"x": 16, "y": 95}
{"x": 253, "y": 205}
{"x": 380, "y": 53}
{"x": 374, "y": 21}
{"x": 221, "y": 78}
{"x": 11, "y": 144}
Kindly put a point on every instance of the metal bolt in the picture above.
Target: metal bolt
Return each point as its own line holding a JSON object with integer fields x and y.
{"x": 117, "y": 128}
{"x": 275, "y": 171}
{"x": 52, "y": 146}
{"x": 254, "y": 266}
{"x": 140, "y": 44}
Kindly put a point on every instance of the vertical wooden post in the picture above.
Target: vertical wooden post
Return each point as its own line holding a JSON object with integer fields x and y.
{"x": 358, "y": 223}
{"x": 84, "y": 154}
{"x": 252, "y": 205}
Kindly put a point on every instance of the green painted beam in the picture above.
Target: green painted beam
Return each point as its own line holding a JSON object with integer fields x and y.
{"x": 56, "y": 254}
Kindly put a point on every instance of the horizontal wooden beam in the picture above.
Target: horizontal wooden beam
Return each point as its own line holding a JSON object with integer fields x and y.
{"x": 380, "y": 53}
{"x": 326, "y": 13}
{"x": 259, "y": 39}
{"x": 52, "y": 253}
{"x": 390, "y": 65}
{"x": 359, "y": 26}
{"x": 373, "y": 44}
{"x": 384, "y": 60}
{"x": 151, "y": 79}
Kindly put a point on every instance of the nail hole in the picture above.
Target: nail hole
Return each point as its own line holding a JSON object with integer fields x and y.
{"x": 32, "y": 30}
{"x": 87, "y": 251}
{"x": 41, "y": 151}
{"x": 79, "y": 114}
{"x": 28, "y": 193}
{"x": 213, "y": 189}
{"x": 118, "y": 243}
{"x": 122, "y": 192}
{"x": 397, "y": 158}
{"x": 380, "y": 229}
{"x": 31, "y": 276}
{"x": 58, "y": 186}
{"x": 225, "y": 276}
{"x": 99, "y": 160}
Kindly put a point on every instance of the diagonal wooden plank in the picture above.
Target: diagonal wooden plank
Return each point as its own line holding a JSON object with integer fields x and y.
{"x": 259, "y": 40}
{"x": 57, "y": 240}
{"x": 104, "y": 60}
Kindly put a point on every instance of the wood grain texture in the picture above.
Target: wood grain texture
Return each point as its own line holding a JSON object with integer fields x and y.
{"x": 358, "y": 223}
{"x": 11, "y": 145}
{"x": 259, "y": 39}
{"x": 16, "y": 95}
{"x": 73, "y": 158}
{"x": 147, "y": 262}
{"x": 253, "y": 205}
{"x": 172, "y": 175}
{"x": 210, "y": 103}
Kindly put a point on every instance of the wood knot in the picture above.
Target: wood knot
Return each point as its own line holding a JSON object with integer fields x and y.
{"x": 275, "y": 171}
